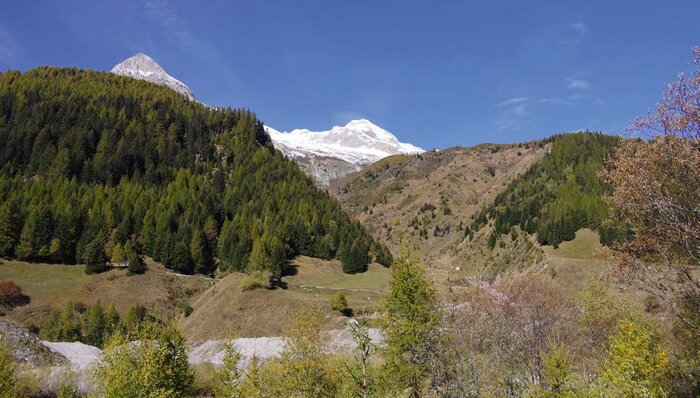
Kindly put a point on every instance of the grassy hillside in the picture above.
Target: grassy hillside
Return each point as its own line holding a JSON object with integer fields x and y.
{"x": 429, "y": 199}
{"x": 227, "y": 311}
{"x": 557, "y": 196}
{"x": 477, "y": 213}
{"x": 52, "y": 285}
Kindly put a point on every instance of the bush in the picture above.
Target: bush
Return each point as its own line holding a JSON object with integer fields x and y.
{"x": 8, "y": 379}
{"x": 340, "y": 303}
{"x": 136, "y": 265}
{"x": 256, "y": 280}
{"x": 155, "y": 366}
{"x": 11, "y": 295}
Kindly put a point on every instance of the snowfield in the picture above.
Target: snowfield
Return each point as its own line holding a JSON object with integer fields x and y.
{"x": 359, "y": 142}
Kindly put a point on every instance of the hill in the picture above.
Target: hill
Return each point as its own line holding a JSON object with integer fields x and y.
{"x": 478, "y": 212}
{"x": 51, "y": 286}
{"x": 94, "y": 166}
{"x": 228, "y": 311}
{"x": 430, "y": 198}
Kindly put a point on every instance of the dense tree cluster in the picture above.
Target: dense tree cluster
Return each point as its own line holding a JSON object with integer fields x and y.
{"x": 558, "y": 195}
{"x": 91, "y": 163}
{"x": 92, "y": 324}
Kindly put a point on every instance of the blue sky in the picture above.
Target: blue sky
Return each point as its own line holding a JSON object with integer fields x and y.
{"x": 436, "y": 73}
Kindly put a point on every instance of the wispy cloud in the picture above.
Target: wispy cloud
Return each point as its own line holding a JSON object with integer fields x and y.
{"x": 556, "y": 36}
{"x": 578, "y": 84}
{"x": 515, "y": 112}
{"x": 572, "y": 34}
{"x": 577, "y": 81}
{"x": 579, "y": 28}
{"x": 164, "y": 15}
{"x": 557, "y": 101}
{"x": 571, "y": 101}
{"x": 512, "y": 101}
{"x": 10, "y": 49}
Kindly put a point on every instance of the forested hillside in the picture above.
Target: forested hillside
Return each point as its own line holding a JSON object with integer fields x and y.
{"x": 97, "y": 167}
{"x": 558, "y": 195}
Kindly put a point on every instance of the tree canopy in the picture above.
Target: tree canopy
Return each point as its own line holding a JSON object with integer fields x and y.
{"x": 90, "y": 161}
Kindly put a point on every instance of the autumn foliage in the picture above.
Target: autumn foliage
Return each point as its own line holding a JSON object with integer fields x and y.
{"x": 11, "y": 294}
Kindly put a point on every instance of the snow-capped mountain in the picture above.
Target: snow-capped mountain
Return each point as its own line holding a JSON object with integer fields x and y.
{"x": 325, "y": 155}
{"x": 143, "y": 67}
{"x": 339, "y": 151}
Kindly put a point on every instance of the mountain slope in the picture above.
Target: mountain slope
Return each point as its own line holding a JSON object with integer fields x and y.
{"x": 143, "y": 67}
{"x": 430, "y": 198}
{"x": 94, "y": 165}
{"x": 343, "y": 149}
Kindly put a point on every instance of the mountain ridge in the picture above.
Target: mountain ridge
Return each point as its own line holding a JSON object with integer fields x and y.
{"x": 325, "y": 155}
{"x": 341, "y": 150}
{"x": 143, "y": 67}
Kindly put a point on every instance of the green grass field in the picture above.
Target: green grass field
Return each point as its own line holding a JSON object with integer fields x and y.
{"x": 577, "y": 262}
{"x": 221, "y": 308}
{"x": 230, "y": 312}
{"x": 52, "y": 285}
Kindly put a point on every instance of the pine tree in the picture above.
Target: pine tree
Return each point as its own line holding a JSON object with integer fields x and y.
{"x": 252, "y": 383}
{"x": 10, "y": 228}
{"x": 95, "y": 326}
{"x": 410, "y": 322}
{"x": 112, "y": 321}
{"x": 156, "y": 367}
{"x": 69, "y": 328}
{"x": 304, "y": 361}
{"x": 95, "y": 257}
{"x": 228, "y": 376}
{"x": 200, "y": 252}
{"x": 355, "y": 258}
{"x": 181, "y": 261}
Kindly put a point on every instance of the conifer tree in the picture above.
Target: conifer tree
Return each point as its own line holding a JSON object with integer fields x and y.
{"x": 95, "y": 325}
{"x": 95, "y": 257}
{"x": 228, "y": 377}
{"x": 410, "y": 322}
{"x": 10, "y": 228}
{"x": 69, "y": 328}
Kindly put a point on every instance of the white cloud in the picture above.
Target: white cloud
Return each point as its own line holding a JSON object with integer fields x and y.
{"x": 579, "y": 28}
{"x": 515, "y": 113}
{"x": 10, "y": 49}
{"x": 557, "y": 101}
{"x": 578, "y": 84}
{"x": 512, "y": 101}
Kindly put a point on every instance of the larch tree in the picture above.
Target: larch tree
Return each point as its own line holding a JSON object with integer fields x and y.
{"x": 410, "y": 321}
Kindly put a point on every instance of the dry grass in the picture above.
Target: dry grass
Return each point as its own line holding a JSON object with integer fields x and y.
{"x": 576, "y": 262}
{"x": 227, "y": 311}
{"x": 463, "y": 180}
{"x": 53, "y": 285}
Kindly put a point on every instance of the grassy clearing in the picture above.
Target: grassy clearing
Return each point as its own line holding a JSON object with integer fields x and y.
{"x": 53, "y": 285}
{"x": 576, "y": 262}
{"x": 230, "y": 312}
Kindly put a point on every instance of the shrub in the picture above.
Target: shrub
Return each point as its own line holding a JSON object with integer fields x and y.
{"x": 11, "y": 294}
{"x": 136, "y": 264}
{"x": 340, "y": 303}
{"x": 256, "y": 280}
{"x": 8, "y": 379}
{"x": 155, "y": 366}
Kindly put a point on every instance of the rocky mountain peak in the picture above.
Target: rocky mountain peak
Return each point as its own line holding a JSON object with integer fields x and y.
{"x": 143, "y": 67}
